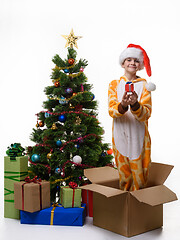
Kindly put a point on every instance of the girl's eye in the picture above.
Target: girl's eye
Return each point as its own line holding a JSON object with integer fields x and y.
{"x": 137, "y": 60}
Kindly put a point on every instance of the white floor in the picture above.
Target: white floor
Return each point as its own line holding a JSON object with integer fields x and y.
{"x": 12, "y": 229}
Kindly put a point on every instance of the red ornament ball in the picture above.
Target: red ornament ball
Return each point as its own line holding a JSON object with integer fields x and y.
{"x": 56, "y": 84}
{"x": 71, "y": 61}
{"x": 110, "y": 151}
{"x": 41, "y": 124}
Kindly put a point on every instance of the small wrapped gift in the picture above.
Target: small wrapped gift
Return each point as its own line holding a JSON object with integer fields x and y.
{"x": 15, "y": 170}
{"x": 129, "y": 87}
{"x": 87, "y": 198}
{"x": 70, "y": 196}
{"x": 31, "y": 195}
{"x": 56, "y": 215}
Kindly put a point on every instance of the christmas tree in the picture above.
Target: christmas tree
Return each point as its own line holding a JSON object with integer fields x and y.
{"x": 68, "y": 136}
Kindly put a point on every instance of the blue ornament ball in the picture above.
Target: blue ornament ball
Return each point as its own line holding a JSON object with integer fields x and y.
{"x": 103, "y": 154}
{"x": 58, "y": 170}
{"x": 63, "y": 101}
{"x": 77, "y": 146}
{"x": 93, "y": 96}
{"x": 46, "y": 114}
{"x": 62, "y": 118}
{"x": 66, "y": 70}
{"x": 58, "y": 143}
{"x": 35, "y": 158}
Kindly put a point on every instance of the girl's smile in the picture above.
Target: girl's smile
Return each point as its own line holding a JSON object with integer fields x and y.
{"x": 131, "y": 64}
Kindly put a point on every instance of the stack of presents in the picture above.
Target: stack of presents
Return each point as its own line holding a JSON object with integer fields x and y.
{"x": 29, "y": 199}
{"x": 123, "y": 212}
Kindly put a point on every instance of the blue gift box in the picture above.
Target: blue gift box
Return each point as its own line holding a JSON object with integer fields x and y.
{"x": 56, "y": 216}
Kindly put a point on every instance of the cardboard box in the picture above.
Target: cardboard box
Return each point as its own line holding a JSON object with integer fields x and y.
{"x": 124, "y": 212}
{"x": 31, "y": 197}
{"x": 56, "y": 216}
{"x": 14, "y": 171}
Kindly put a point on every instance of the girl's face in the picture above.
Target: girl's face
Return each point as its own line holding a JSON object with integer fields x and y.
{"x": 131, "y": 65}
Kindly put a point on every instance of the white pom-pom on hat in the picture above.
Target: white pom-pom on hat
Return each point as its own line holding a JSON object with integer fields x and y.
{"x": 150, "y": 86}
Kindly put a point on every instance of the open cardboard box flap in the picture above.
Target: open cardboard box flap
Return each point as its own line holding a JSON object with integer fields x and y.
{"x": 152, "y": 196}
{"x": 158, "y": 173}
{"x": 155, "y": 195}
{"x": 101, "y": 174}
{"x": 104, "y": 190}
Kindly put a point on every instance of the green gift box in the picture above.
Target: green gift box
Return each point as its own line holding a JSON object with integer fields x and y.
{"x": 70, "y": 197}
{"x": 15, "y": 170}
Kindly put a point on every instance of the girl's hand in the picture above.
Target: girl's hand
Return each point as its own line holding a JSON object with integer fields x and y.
{"x": 125, "y": 100}
{"x": 133, "y": 98}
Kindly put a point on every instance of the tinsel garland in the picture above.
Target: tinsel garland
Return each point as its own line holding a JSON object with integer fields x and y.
{"x": 74, "y": 140}
{"x": 67, "y": 112}
{"x": 56, "y": 80}
{"x": 77, "y": 112}
{"x": 46, "y": 165}
{"x": 57, "y": 180}
{"x": 67, "y": 99}
{"x": 78, "y": 139}
{"x": 42, "y": 145}
{"x": 60, "y": 180}
{"x": 61, "y": 68}
{"x": 63, "y": 169}
{"x": 76, "y": 164}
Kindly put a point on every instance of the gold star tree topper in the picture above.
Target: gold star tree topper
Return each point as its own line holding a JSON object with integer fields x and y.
{"x": 71, "y": 39}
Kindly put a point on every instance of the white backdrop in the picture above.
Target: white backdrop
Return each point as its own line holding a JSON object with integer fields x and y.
{"x": 30, "y": 35}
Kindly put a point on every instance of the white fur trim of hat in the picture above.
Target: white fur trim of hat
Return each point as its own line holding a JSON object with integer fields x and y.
{"x": 132, "y": 53}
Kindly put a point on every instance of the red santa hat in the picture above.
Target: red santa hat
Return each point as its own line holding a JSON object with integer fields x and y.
{"x": 136, "y": 51}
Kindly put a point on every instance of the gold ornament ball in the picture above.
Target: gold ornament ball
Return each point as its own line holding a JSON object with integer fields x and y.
{"x": 49, "y": 155}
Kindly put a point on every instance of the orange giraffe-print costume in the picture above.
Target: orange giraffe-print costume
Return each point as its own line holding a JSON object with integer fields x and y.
{"x": 130, "y": 137}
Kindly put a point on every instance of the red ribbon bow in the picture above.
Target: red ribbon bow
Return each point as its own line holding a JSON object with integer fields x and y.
{"x": 35, "y": 179}
{"x": 73, "y": 185}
